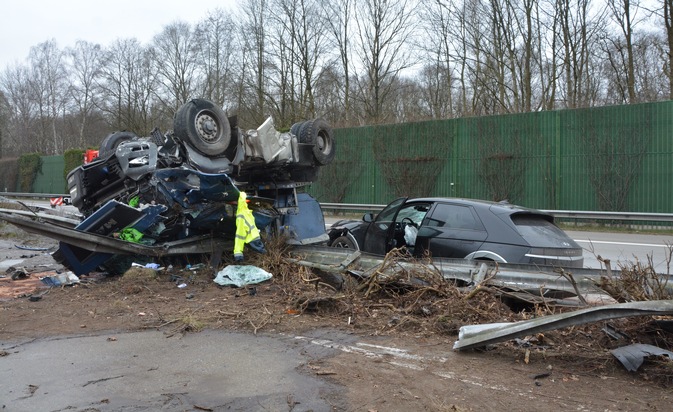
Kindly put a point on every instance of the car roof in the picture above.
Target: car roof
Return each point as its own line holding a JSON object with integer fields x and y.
{"x": 502, "y": 207}
{"x": 473, "y": 202}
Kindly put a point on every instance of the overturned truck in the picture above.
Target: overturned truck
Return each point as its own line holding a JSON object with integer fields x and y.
{"x": 170, "y": 192}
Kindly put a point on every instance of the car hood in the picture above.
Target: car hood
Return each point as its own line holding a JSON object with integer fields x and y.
{"x": 347, "y": 224}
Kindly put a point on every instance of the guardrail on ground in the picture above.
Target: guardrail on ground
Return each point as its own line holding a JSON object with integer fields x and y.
{"x": 561, "y": 214}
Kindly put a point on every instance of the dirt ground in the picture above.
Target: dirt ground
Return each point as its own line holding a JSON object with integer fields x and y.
{"x": 569, "y": 368}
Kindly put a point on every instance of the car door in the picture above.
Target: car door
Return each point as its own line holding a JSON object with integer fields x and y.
{"x": 379, "y": 236}
{"x": 450, "y": 230}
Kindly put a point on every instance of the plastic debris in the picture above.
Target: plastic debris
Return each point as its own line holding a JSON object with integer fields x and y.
{"x": 154, "y": 266}
{"x": 241, "y": 275}
{"x": 61, "y": 279}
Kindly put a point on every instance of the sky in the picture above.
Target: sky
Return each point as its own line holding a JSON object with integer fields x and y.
{"x": 28, "y": 23}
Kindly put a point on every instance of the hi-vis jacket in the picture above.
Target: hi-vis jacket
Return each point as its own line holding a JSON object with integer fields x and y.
{"x": 246, "y": 231}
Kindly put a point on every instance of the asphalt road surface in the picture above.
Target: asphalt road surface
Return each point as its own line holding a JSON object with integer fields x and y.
{"x": 211, "y": 370}
{"x": 625, "y": 248}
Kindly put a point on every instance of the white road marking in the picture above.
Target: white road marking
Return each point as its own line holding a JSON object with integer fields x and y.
{"x": 379, "y": 352}
{"x": 605, "y": 242}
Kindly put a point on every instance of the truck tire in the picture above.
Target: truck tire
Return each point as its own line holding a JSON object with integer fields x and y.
{"x": 204, "y": 126}
{"x": 109, "y": 145}
{"x": 319, "y": 134}
{"x": 296, "y": 128}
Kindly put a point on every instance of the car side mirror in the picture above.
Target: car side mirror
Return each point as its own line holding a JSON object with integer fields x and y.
{"x": 368, "y": 217}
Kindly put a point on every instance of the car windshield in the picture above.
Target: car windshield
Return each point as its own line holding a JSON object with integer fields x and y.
{"x": 415, "y": 213}
{"x": 538, "y": 231}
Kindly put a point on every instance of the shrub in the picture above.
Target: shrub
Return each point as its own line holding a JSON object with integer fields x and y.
{"x": 30, "y": 165}
{"x": 8, "y": 174}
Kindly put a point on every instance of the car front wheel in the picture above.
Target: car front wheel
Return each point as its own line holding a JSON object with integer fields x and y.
{"x": 345, "y": 242}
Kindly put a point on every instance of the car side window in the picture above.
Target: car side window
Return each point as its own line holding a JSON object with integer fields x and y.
{"x": 385, "y": 217}
{"x": 453, "y": 217}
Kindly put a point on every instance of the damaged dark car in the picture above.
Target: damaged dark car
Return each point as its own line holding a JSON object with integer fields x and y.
{"x": 461, "y": 228}
{"x": 184, "y": 184}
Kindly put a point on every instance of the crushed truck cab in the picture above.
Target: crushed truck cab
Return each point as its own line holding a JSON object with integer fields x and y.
{"x": 184, "y": 184}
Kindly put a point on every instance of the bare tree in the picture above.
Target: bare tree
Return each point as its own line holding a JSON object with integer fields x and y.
{"x": 329, "y": 96}
{"x": 85, "y": 66}
{"x": 21, "y": 134}
{"x": 434, "y": 82}
{"x": 651, "y": 79}
{"x": 509, "y": 55}
{"x": 253, "y": 82}
{"x": 299, "y": 48}
{"x": 339, "y": 20}
{"x": 127, "y": 81}
{"x": 668, "y": 25}
{"x": 283, "y": 91}
{"x": 577, "y": 37}
{"x": 624, "y": 13}
{"x": 49, "y": 81}
{"x": 174, "y": 57}
{"x": 436, "y": 78}
{"x": 217, "y": 52}
{"x": 384, "y": 28}
{"x": 469, "y": 32}
{"x": 4, "y": 119}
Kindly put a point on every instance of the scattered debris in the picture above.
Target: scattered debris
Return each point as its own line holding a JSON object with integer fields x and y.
{"x": 60, "y": 279}
{"x": 17, "y": 273}
{"x": 34, "y": 248}
{"x": 241, "y": 275}
{"x": 153, "y": 266}
{"x": 633, "y": 356}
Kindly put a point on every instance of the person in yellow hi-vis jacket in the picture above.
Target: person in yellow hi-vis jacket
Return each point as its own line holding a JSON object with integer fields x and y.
{"x": 246, "y": 231}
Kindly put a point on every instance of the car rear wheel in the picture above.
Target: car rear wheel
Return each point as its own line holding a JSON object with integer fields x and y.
{"x": 345, "y": 242}
{"x": 204, "y": 126}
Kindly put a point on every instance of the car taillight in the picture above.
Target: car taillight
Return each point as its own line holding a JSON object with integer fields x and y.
{"x": 556, "y": 257}
{"x": 555, "y": 252}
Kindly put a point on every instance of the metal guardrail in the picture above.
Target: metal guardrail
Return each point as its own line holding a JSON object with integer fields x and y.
{"x": 562, "y": 214}
{"x": 32, "y": 195}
